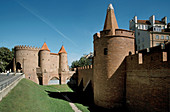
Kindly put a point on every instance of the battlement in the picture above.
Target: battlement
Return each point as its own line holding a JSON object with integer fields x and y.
{"x": 153, "y": 57}
{"x": 105, "y": 33}
{"x": 118, "y": 33}
{"x": 122, "y": 32}
{"x": 162, "y": 47}
{"x": 22, "y": 47}
{"x": 85, "y": 67}
{"x": 96, "y": 36}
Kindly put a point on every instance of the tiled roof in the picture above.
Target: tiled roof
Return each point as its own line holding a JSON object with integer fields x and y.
{"x": 53, "y": 53}
{"x": 144, "y": 22}
{"x": 148, "y": 22}
{"x": 62, "y": 50}
{"x": 159, "y": 22}
{"x": 44, "y": 47}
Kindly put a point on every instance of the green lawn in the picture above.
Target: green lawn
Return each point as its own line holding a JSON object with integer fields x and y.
{"x": 27, "y": 96}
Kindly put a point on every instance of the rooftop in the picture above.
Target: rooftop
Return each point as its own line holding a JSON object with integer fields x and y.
{"x": 62, "y": 50}
{"x": 44, "y": 47}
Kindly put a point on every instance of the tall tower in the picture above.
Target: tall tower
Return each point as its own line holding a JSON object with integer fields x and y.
{"x": 63, "y": 62}
{"x": 110, "y": 48}
{"x": 45, "y": 63}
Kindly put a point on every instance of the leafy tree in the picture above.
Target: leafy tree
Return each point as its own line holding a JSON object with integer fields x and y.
{"x": 6, "y": 57}
{"x": 82, "y": 62}
{"x": 75, "y": 64}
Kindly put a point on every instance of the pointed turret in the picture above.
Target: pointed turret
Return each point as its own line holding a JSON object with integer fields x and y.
{"x": 62, "y": 50}
{"x": 45, "y": 47}
{"x": 63, "y": 62}
{"x": 110, "y": 21}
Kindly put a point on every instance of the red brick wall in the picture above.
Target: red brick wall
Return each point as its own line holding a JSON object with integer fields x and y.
{"x": 148, "y": 84}
{"x": 85, "y": 74}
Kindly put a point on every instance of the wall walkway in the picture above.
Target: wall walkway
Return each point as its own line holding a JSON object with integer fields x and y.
{"x": 8, "y": 82}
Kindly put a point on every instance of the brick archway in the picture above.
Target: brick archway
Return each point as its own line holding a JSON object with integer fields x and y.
{"x": 54, "y": 80}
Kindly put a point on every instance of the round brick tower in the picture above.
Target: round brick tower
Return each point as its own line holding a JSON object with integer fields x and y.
{"x": 110, "y": 48}
{"x": 45, "y": 63}
{"x": 27, "y": 58}
{"x": 63, "y": 62}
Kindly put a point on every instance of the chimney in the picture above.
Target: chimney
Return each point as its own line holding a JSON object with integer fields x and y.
{"x": 152, "y": 20}
{"x": 135, "y": 19}
{"x": 164, "y": 20}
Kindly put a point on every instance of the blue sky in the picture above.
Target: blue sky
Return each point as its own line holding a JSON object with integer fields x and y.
{"x": 68, "y": 22}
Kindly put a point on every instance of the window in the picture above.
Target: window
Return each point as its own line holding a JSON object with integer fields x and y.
{"x": 105, "y": 51}
{"x": 167, "y": 37}
{"x": 138, "y": 33}
{"x": 162, "y": 27}
{"x": 94, "y": 53}
{"x": 157, "y": 36}
{"x": 157, "y": 44}
{"x": 162, "y": 37}
{"x": 138, "y": 47}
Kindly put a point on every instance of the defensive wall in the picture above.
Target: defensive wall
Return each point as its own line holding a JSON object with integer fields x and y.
{"x": 85, "y": 75}
{"x": 145, "y": 76}
{"x": 10, "y": 84}
{"x": 40, "y": 65}
{"x": 148, "y": 80}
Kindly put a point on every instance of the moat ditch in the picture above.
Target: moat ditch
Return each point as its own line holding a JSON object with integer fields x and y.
{"x": 82, "y": 97}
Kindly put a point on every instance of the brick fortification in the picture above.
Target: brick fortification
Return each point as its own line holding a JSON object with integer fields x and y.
{"x": 121, "y": 77}
{"x": 40, "y": 65}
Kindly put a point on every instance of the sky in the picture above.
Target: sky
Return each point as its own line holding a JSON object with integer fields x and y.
{"x": 71, "y": 23}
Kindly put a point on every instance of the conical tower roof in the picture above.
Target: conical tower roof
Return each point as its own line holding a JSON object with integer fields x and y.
{"x": 62, "y": 50}
{"x": 110, "y": 21}
{"x": 44, "y": 47}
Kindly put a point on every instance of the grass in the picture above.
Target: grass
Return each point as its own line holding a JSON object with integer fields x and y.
{"x": 61, "y": 88}
{"x": 27, "y": 96}
{"x": 82, "y": 107}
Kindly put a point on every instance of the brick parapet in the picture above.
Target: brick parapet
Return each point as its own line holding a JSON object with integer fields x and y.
{"x": 147, "y": 82}
{"x": 151, "y": 58}
{"x": 85, "y": 67}
{"x": 24, "y": 47}
{"x": 122, "y": 32}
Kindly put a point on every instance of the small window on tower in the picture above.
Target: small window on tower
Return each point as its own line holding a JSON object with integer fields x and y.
{"x": 105, "y": 51}
{"x": 138, "y": 33}
{"x": 94, "y": 53}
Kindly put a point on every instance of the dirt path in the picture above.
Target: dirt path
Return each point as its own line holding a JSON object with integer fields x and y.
{"x": 73, "y": 106}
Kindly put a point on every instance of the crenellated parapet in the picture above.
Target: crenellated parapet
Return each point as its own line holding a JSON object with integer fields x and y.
{"x": 124, "y": 33}
{"x": 24, "y": 47}
{"x": 85, "y": 67}
{"x": 151, "y": 57}
{"x": 118, "y": 33}
{"x": 96, "y": 36}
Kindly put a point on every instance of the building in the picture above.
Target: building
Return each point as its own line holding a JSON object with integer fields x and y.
{"x": 42, "y": 66}
{"x": 123, "y": 78}
{"x": 149, "y": 33}
{"x": 111, "y": 46}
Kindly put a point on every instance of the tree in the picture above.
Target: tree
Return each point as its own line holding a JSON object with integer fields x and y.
{"x": 6, "y": 57}
{"x": 82, "y": 62}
